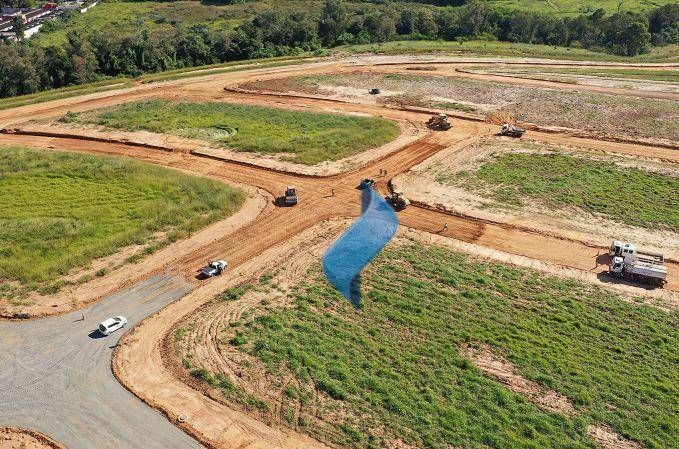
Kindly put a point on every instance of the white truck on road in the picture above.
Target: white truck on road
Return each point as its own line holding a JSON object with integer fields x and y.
{"x": 630, "y": 263}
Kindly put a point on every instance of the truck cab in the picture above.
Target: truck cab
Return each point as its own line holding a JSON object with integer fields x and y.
{"x": 290, "y": 198}
{"x": 617, "y": 264}
{"x": 625, "y": 250}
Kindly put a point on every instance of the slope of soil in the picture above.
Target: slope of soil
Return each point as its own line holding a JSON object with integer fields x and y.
{"x": 390, "y": 375}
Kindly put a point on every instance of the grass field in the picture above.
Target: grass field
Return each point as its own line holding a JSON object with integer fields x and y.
{"x": 302, "y": 137}
{"x": 627, "y": 195}
{"x": 66, "y": 92}
{"x": 60, "y": 211}
{"x": 391, "y": 372}
{"x": 668, "y": 53}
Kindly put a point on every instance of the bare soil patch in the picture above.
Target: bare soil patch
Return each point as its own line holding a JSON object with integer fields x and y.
{"x": 606, "y": 438}
{"x": 485, "y": 359}
{"x": 595, "y": 113}
{"x": 14, "y": 438}
{"x": 583, "y": 79}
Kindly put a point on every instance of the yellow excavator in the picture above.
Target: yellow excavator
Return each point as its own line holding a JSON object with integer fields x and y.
{"x": 439, "y": 122}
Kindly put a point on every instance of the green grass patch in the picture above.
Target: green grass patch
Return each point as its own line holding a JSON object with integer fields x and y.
{"x": 496, "y": 48}
{"x": 302, "y": 137}
{"x": 66, "y": 92}
{"x": 59, "y": 211}
{"x": 227, "y": 67}
{"x": 392, "y": 370}
{"x": 627, "y": 195}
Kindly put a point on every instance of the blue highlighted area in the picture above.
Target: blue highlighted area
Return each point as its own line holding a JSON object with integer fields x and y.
{"x": 346, "y": 258}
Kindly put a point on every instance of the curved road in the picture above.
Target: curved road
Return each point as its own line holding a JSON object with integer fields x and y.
{"x": 55, "y": 376}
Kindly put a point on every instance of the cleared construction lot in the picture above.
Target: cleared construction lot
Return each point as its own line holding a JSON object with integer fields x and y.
{"x": 476, "y": 330}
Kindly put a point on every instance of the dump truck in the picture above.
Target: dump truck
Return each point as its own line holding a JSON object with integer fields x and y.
{"x": 398, "y": 201}
{"x": 628, "y": 262}
{"x": 439, "y": 122}
{"x": 290, "y": 197}
{"x": 511, "y": 130}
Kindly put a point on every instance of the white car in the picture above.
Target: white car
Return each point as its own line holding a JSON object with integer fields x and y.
{"x": 214, "y": 268}
{"x": 112, "y": 324}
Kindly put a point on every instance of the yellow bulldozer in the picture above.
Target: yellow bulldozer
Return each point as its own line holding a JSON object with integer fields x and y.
{"x": 439, "y": 122}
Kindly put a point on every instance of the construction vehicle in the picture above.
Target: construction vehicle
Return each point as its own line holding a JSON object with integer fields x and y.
{"x": 367, "y": 182}
{"x": 511, "y": 130}
{"x": 629, "y": 263}
{"x": 290, "y": 197}
{"x": 398, "y": 201}
{"x": 439, "y": 122}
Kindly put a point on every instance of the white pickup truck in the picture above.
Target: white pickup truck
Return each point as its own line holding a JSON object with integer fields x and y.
{"x": 214, "y": 268}
{"x": 630, "y": 263}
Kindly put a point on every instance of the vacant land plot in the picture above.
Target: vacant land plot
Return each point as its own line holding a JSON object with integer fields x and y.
{"x": 302, "y": 137}
{"x": 391, "y": 374}
{"x": 627, "y": 195}
{"x": 60, "y": 211}
{"x": 600, "y": 113}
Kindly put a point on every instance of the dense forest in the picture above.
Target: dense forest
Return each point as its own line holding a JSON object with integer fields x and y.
{"x": 83, "y": 58}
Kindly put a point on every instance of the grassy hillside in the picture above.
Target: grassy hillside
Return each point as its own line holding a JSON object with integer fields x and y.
{"x": 303, "y": 137}
{"x": 122, "y": 17}
{"x": 575, "y": 7}
{"x": 391, "y": 375}
{"x": 668, "y": 53}
{"x": 62, "y": 210}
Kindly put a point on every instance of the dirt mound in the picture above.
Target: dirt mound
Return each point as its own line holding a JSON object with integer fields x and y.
{"x": 500, "y": 118}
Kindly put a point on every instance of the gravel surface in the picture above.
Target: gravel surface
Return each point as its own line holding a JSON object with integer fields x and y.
{"x": 55, "y": 376}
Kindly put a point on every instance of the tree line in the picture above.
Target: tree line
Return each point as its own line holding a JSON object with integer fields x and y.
{"x": 27, "y": 68}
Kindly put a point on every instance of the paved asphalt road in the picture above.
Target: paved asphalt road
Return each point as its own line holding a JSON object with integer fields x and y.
{"x": 55, "y": 376}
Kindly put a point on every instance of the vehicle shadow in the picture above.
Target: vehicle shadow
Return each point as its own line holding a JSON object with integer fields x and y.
{"x": 96, "y": 334}
{"x": 603, "y": 259}
{"x": 608, "y": 279}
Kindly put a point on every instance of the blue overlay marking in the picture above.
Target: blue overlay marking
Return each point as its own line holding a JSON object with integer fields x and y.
{"x": 347, "y": 257}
